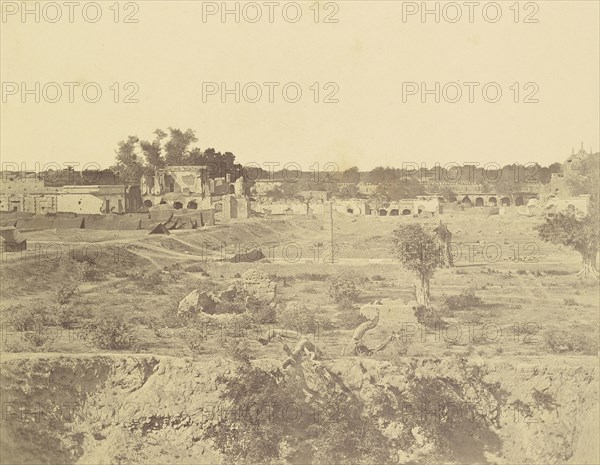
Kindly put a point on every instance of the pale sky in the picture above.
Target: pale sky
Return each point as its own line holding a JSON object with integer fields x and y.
{"x": 369, "y": 53}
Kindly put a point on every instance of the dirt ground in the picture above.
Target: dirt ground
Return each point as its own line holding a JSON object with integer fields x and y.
{"x": 527, "y": 287}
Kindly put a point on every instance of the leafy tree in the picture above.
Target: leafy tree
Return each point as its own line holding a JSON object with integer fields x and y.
{"x": 586, "y": 179}
{"x": 153, "y": 150}
{"x": 344, "y": 290}
{"x": 580, "y": 234}
{"x": 178, "y": 147}
{"x": 405, "y": 189}
{"x": 350, "y": 191}
{"x": 351, "y": 175}
{"x": 135, "y": 158}
{"x": 219, "y": 163}
{"x": 418, "y": 252}
{"x": 129, "y": 165}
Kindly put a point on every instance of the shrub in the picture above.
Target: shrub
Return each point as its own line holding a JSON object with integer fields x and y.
{"x": 344, "y": 289}
{"x": 32, "y": 341}
{"x": 351, "y": 318}
{"x": 569, "y": 302}
{"x": 87, "y": 271}
{"x": 28, "y": 318}
{"x": 377, "y": 277}
{"x": 196, "y": 268}
{"x": 170, "y": 318}
{"x": 562, "y": 340}
{"x": 111, "y": 333}
{"x": 298, "y": 317}
{"x": 65, "y": 293}
{"x": 312, "y": 276}
{"x": 464, "y": 301}
{"x": 238, "y": 350}
{"x": 174, "y": 272}
{"x": 262, "y": 313}
{"x": 429, "y": 317}
{"x": 69, "y": 317}
{"x": 149, "y": 280}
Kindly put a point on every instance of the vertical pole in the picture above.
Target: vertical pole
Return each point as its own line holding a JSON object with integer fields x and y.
{"x": 331, "y": 218}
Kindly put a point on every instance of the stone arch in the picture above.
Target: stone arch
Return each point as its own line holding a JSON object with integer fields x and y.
{"x": 394, "y": 212}
{"x": 466, "y": 199}
{"x": 505, "y": 201}
{"x": 163, "y": 202}
{"x": 479, "y": 202}
{"x": 147, "y": 203}
{"x": 382, "y": 212}
{"x": 406, "y": 212}
{"x": 350, "y": 211}
{"x": 177, "y": 205}
{"x": 192, "y": 205}
{"x": 493, "y": 201}
{"x": 420, "y": 209}
{"x": 519, "y": 201}
{"x": 452, "y": 198}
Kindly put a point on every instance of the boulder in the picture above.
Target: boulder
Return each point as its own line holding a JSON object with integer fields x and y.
{"x": 189, "y": 304}
{"x": 196, "y": 302}
{"x": 229, "y": 294}
{"x": 257, "y": 284}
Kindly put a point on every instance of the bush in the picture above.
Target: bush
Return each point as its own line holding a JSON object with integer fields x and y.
{"x": 238, "y": 350}
{"x": 262, "y": 313}
{"x": 298, "y": 317}
{"x": 65, "y": 293}
{"x": 149, "y": 280}
{"x": 111, "y": 333}
{"x": 430, "y": 317}
{"x": 69, "y": 317}
{"x": 351, "y": 318}
{"x": 29, "y": 318}
{"x": 464, "y": 301}
{"x": 562, "y": 340}
{"x": 86, "y": 272}
{"x": 196, "y": 268}
{"x": 569, "y": 302}
{"x": 39, "y": 340}
{"x": 344, "y": 290}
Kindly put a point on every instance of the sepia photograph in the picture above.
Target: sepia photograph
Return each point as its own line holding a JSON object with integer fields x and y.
{"x": 352, "y": 232}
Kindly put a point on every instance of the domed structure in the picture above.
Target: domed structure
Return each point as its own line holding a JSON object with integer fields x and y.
{"x": 573, "y": 163}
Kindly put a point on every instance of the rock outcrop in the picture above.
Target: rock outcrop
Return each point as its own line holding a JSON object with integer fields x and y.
{"x": 257, "y": 284}
{"x": 106, "y": 409}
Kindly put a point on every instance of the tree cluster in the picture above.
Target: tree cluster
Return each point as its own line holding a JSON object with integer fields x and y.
{"x": 174, "y": 147}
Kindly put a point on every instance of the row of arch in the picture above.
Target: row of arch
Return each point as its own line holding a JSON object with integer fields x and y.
{"x": 191, "y": 205}
{"x": 396, "y": 211}
{"x": 494, "y": 201}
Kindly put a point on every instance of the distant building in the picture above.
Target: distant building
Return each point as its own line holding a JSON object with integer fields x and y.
{"x": 578, "y": 206}
{"x": 42, "y": 194}
{"x": 559, "y": 186}
{"x": 91, "y": 199}
{"x": 26, "y": 192}
{"x": 178, "y": 187}
{"x": 366, "y": 188}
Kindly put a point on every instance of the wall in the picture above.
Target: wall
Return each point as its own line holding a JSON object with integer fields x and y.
{"x": 92, "y": 199}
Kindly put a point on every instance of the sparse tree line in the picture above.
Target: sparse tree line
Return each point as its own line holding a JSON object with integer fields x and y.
{"x": 174, "y": 147}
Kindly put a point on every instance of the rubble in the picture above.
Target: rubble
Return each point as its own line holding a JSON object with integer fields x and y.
{"x": 257, "y": 284}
